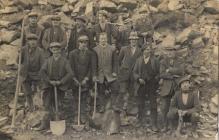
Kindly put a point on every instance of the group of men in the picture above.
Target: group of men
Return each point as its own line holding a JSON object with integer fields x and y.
{"x": 50, "y": 58}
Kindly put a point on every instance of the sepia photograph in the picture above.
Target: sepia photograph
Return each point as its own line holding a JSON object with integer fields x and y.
{"x": 109, "y": 69}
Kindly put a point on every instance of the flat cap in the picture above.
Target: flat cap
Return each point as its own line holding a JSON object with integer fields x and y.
{"x": 32, "y": 37}
{"x": 55, "y": 44}
{"x": 83, "y": 38}
{"x": 133, "y": 35}
{"x": 103, "y": 12}
{"x": 82, "y": 18}
{"x": 33, "y": 14}
{"x": 58, "y": 18}
{"x": 184, "y": 78}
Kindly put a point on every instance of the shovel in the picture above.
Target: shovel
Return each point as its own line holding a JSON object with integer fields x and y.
{"x": 57, "y": 127}
{"x": 95, "y": 100}
{"x": 79, "y": 127}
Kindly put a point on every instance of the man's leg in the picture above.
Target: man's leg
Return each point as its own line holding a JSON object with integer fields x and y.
{"x": 172, "y": 117}
{"x": 153, "y": 105}
{"x": 141, "y": 103}
{"x": 28, "y": 94}
{"x": 165, "y": 104}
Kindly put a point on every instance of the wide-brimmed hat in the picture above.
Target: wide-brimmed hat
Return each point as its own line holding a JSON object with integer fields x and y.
{"x": 103, "y": 12}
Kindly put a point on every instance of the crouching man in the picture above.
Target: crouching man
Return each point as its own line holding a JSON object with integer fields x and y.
{"x": 56, "y": 72}
{"x": 185, "y": 104}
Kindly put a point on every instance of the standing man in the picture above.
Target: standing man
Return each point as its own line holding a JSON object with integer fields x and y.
{"x": 106, "y": 73}
{"x": 104, "y": 26}
{"x": 32, "y": 28}
{"x": 127, "y": 59}
{"x": 56, "y": 71}
{"x": 31, "y": 61}
{"x": 78, "y": 29}
{"x": 146, "y": 75}
{"x": 170, "y": 70}
{"x": 186, "y": 103}
{"x": 81, "y": 64}
{"x": 54, "y": 34}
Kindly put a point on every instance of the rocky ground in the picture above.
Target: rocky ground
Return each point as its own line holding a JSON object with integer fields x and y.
{"x": 191, "y": 26}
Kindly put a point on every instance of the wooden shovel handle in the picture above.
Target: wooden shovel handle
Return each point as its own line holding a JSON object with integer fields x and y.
{"x": 95, "y": 99}
{"x": 56, "y": 103}
{"x": 79, "y": 104}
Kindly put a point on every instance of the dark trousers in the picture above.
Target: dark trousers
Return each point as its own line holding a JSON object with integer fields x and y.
{"x": 165, "y": 105}
{"x": 30, "y": 86}
{"x": 103, "y": 97}
{"x": 150, "y": 90}
{"x": 192, "y": 117}
{"x": 49, "y": 101}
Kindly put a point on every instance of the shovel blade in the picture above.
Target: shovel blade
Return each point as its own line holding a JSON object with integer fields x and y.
{"x": 78, "y": 127}
{"x": 57, "y": 127}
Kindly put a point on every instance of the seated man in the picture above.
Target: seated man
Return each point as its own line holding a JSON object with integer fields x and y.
{"x": 185, "y": 103}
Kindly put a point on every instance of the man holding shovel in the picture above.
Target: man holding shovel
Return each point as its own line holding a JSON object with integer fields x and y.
{"x": 56, "y": 74}
{"x": 81, "y": 61}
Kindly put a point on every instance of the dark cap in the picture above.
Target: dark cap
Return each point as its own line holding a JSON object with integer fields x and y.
{"x": 183, "y": 79}
{"x": 55, "y": 45}
{"x": 82, "y": 18}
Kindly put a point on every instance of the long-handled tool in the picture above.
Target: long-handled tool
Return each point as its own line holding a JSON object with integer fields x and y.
{"x": 18, "y": 85}
{"x": 79, "y": 127}
{"x": 57, "y": 127}
{"x": 95, "y": 99}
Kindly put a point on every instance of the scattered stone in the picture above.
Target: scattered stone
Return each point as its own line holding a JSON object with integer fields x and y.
{"x": 163, "y": 6}
{"x": 20, "y": 116}
{"x": 3, "y": 121}
{"x": 89, "y": 9}
{"x": 213, "y": 108}
{"x": 168, "y": 41}
{"x": 212, "y": 6}
{"x": 65, "y": 8}
{"x": 130, "y": 4}
{"x": 186, "y": 34}
{"x": 198, "y": 43}
{"x": 175, "y": 5}
{"x": 56, "y": 2}
{"x": 8, "y": 36}
{"x": 214, "y": 99}
{"x": 9, "y": 10}
{"x": 9, "y": 54}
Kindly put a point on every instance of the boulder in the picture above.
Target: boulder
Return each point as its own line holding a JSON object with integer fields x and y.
{"x": 9, "y": 10}
{"x": 9, "y": 54}
{"x": 5, "y": 24}
{"x": 145, "y": 8}
{"x": 213, "y": 108}
{"x": 108, "y": 5}
{"x": 20, "y": 116}
{"x": 13, "y": 18}
{"x": 8, "y": 36}
{"x": 214, "y": 99}
{"x": 163, "y": 6}
{"x": 80, "y": 5}
{"x": 175, "y": 5}
{"x": 3, "y": 121}
{"x": 65, "y": 8}
{"x": 130, "y": 4}
{"x": 25, "y": 3}
{"x": 57, "y": 3}
{"x": 168, "y": 41}
{"x": 89, "y": 9}
{"x": 187, "y": 34}
{"x": 215, "y": 51}
{"x": 198, "y": 43}
{"x": 212, "y": 6}
{"x": 72, "y": 1}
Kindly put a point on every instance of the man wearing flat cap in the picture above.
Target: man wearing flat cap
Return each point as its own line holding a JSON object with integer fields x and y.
{"x": 32, "y": 60}
{"x": 146, "y": 76}
{"x": 185, "y": 103}
{"x": 170, "y": 71}
{"x": 32, "y": 28}
{"x": 104, "y": 26}
{"x": 56, "y": 71}
{"x": 127, "y": 59}
{"x": 82, "y": 65}
{"x": 54, "y": 34}
{"x": 78, "y": 29}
